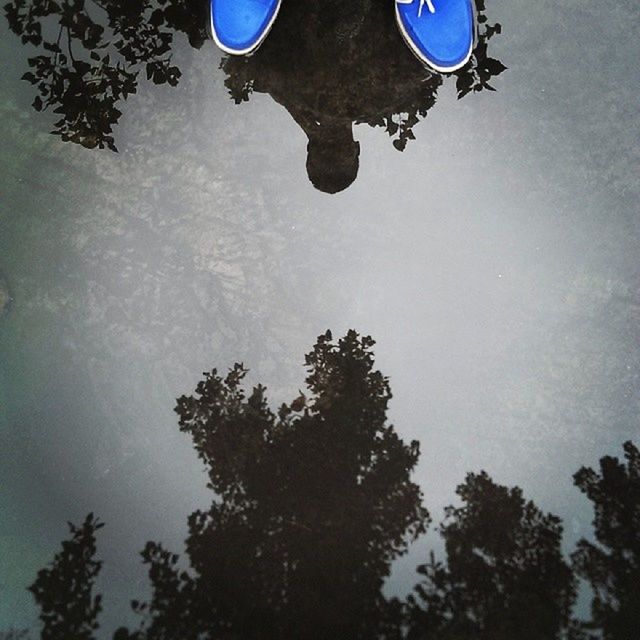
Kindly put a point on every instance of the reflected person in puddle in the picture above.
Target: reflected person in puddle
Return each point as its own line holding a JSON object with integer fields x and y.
{"x": 331, "y": 64}
{"x": 334, "y": 64}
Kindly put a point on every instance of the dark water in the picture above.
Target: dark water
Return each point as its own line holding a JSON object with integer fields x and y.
{"x": 493, "y": 258}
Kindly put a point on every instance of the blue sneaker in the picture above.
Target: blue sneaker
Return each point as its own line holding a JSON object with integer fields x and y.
{"x": 440, "y": 32}
{"x": 239, "y": 26}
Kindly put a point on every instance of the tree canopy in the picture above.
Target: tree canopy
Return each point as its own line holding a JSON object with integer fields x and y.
{"x": 611, "y": 563}
{"x": 64, "y": 590}
{"x": 504, "y": 577}
{"x": 311, "y": 504}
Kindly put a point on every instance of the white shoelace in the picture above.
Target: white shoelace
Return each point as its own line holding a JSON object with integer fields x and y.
{"x": 429, "y": 4}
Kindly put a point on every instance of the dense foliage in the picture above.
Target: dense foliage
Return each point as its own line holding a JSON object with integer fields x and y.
{"x": 611, "y": 563}
{"x": 311, "y": 505}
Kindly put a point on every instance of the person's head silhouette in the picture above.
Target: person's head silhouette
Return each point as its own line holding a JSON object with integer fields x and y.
{"x": 332, "y": 157}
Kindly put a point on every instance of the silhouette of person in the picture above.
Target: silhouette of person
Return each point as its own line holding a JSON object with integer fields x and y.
{"x": 333, "y": 156}
{"x": 335, "y": 64}
{"x": 330, "y": 63}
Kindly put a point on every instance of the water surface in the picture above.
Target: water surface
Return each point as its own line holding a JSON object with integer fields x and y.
{"x": 494, "y": 260}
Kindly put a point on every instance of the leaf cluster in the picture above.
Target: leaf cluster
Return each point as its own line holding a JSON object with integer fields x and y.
{"x": 64, "y": 590}
{"x": 89, "y": 62}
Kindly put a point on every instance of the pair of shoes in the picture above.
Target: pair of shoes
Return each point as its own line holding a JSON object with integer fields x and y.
{"x": 440, "y": 33}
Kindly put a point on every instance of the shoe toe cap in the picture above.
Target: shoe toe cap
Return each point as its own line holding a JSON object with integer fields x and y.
{"x": 239, "y": 25}
{"x": 443, "y": 39}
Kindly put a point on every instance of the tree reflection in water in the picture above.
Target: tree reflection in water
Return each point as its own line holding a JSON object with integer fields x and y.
{"x": 329, "y": 63}
{"x": 505, "y": 576}
{"x": 313, "y": 503}
{"x": 611, "y": 563}
{"x": 90, "y": 55}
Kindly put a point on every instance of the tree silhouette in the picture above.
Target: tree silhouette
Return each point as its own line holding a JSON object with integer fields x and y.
{"x": 505, "y": 576}
{"x": 89, "y": 63}
{"x": 329, "y": 63}
{"x": 611, "y": 564}
{"x": 64, "y": 590}
{"x": 313, "y": 503}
